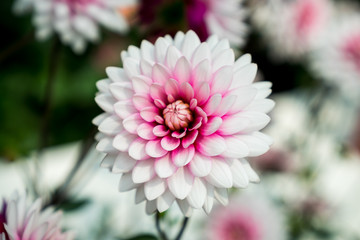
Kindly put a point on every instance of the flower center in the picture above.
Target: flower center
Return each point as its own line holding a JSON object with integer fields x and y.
{"x": 177, "y": 115}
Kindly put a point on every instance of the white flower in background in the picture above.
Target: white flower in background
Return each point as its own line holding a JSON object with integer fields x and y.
{"x": 291, "y": 27}
{"x": 247, "y": 217}
{"x": 224, "y": 18}
{"x": 337, "y": 57}
{"x": 76, "y": 21}
{"x": 20, "y": 220}
{"x": 180, "y": 118}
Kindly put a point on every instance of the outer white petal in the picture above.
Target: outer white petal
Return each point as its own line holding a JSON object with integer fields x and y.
{"x": 180, "y": 183}
{"x": 143, "y": 171}
{"x": 154, "y": 188}
{"x": 220, "y": 174}
{"x": 198, "y": 194}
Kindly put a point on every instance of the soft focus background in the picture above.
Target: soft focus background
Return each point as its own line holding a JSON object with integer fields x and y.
{"x": 310, "y": 178}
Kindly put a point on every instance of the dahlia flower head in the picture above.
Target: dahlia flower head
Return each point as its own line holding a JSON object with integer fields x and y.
{"x": 76, "y": 21}
{"x": 180, "y": 118}
{"x": 298, "y": 25}
{"x": 337, "y": 57}
{"x": 20, "y": 220}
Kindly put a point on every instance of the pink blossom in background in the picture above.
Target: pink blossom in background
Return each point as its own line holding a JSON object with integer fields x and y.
{"x": 225, "y": 18}
{"x": 247, "y": 217}
{"x": 76, "y": 21}
{"x": 298, "y": 25}
{"x": 337, "y": 56}
{"x": 180, "y": 118}
{"x": 20, "y": 220}
{"x": 351, "y": 50}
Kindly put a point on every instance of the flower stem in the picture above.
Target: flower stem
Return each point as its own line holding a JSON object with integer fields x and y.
{"x": 158, "y": 228}
{"x": 182, "y": 229}
{"x": 49, "y": 92}
{"x": 16, "y": 46}
{"x": 47, "y": 104}
{"x": 162, "y": 233}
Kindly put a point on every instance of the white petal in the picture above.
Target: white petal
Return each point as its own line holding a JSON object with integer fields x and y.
{"x": 126, "y": 183}
{"x": 143, "y": 171}
{"x": 154, "y": 149}
{"x": 226, "y": 57}
{"x": 253, "y": 177}
{"x": 140, "y": 195}
{"x": 240, "y": 178}
{"x": 197, "y": 196}
{"x": 201, "y": 165}
{"x": 106, "y": 102}
{"x": 132, "y": 122}
{"x": 164, "y": 167}
{"x": 85, "y": 26}
{"x": 165, "y": 201}
{"x": 221, "y": 194}
{"x": 180, "y": 183}
{"x": 185, "y": 208}
{"x": 121, "y": 91}
{"x": 150, "y": 207}
{"x": 154, "y": 188}
{"x": 222, "y": 80}
{"x": 111, "y": 125}
{"x": 190, "y": 43}
{"x": 235, "y": 147}
{"x": 209, "y": 201}
{"x": 117, "y": 74}
{"x": 182, "y": 156}
{"x": 233, "y": 124}
{"x": 137, "y": 149}
{"x": 220, "y": 174}
{"x": 244, "y": 76}
{"x": 212, "y": 145}
{"x": 124, "y": 109}
{"x": 123, "y": 163}
{"x": 123, "y": 140}
{"x": 255, "y": 145}
{"x": 242, "y": 61}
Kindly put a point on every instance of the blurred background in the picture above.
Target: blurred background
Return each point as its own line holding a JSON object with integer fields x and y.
{"x": 308, "y": 49}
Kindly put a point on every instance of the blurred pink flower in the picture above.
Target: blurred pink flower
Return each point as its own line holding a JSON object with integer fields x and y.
{"x": 224, "y": 18}
{"x": 298, "y": 25}
{"x": 249, "y": 217}
{"x": 337, "y": 57}
{"x": 76, "y": 21}
{"x": 20, "y": 220}
{"x": 180, "y": 117}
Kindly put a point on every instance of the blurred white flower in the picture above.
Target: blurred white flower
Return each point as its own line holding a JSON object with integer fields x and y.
{"x": 224, "y": 18}
{"x": 76, "y": 21}
{"x": 249, "y": 216}
{"x": 337, "y": 56}
{"x": 20, "y": 220}
{"x": 180, "y": 118}
{"x": 291, "y": 27}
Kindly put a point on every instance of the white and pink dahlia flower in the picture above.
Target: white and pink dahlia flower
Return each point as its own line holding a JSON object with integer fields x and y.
{"x": 180, "y": 118}
{"x": 337, "y": 57}
{"x": 299, "y": 24}
{"x": 76, "y": 21}
{"x": 20, "y": 220}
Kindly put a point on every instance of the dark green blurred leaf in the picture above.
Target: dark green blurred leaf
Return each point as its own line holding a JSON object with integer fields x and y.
{"x": 73, "y": 204}
{"x": 141, "y": 237}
